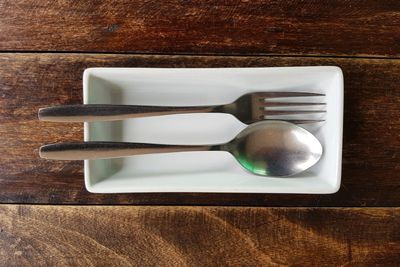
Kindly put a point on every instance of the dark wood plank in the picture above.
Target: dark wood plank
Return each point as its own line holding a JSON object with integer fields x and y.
{"x": 371, "y": 165}
{"x": 195, "y": 236}
{"x": 339, "y": 27}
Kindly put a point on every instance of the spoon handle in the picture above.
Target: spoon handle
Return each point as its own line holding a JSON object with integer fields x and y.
{"x": 102, "y": 150}
{"x": 106, "y": 112}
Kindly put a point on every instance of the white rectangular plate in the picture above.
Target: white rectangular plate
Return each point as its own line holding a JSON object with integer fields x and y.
{"x": 205, "y": 171}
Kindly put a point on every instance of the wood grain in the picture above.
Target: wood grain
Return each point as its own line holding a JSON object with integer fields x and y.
{"x": 196, "y": 236}
{"x": 371, "y": 165}
{"x": 314, "y": 27}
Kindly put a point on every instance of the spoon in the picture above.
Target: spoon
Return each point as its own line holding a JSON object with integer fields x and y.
{"x": 269, "y": 148}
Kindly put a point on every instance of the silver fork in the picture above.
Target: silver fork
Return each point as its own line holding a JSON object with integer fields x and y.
{"x": 248, "y": 108}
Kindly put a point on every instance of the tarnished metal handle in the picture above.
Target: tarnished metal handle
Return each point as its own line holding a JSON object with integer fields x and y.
{"x": 106, "y": 112}
{"x": 102, "y": 150}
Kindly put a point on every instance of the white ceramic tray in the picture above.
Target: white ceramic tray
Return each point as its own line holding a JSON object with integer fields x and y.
{"x": 205, "y": 171}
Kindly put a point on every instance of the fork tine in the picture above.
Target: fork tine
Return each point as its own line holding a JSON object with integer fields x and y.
{"x": 284, "y": 104}
{"x": 267, "y": 112}
{"x": 285, "y": 94}
{"x": 299, "y": 121}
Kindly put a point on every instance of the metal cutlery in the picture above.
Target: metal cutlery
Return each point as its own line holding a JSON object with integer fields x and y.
{"x": 248, "y": 108}
{"x": 270, "y": 148}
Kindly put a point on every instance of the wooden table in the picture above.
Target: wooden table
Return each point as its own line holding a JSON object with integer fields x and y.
{"x": 47, "y": 218}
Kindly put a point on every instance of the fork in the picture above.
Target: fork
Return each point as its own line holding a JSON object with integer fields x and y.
{"x": 249, "y": 108}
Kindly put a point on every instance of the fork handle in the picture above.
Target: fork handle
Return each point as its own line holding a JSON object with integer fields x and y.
{"x": 106, "y": 112}
{"x": 103, "y": 150}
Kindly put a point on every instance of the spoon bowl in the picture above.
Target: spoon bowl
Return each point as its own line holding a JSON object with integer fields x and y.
{"x": 275, "y": 148}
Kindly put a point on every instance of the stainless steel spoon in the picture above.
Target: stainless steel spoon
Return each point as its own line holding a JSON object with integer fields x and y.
{"x": 270, "y": 148}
